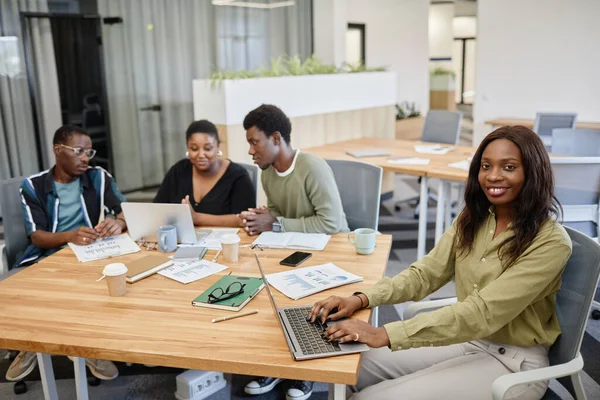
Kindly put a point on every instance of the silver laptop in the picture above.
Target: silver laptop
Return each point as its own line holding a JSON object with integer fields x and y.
{"x": 143, "y": 219}
{"x": 303, "y": 337}
{"x": 368, "y": 153}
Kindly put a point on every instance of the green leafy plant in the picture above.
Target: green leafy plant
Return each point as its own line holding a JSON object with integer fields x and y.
{"x": 442, "y": 71}
{"x": 290, "y": 66}
{"x": 407, "y": 110}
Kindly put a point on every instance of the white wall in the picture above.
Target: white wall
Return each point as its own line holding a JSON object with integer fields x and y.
{"x": 537, "y": 55}
{"x": 329, "y": 30}
{"x": 397, "y": 38}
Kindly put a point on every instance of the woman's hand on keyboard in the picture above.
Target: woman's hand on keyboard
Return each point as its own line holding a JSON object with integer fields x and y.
{"x": 353, "y": 330}
{"x": 334, "y": 308}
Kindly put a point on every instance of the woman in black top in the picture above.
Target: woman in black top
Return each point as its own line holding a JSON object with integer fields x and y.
{"x": 216, "y": 189}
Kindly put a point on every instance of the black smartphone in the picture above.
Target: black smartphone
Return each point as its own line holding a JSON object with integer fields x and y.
{"x": 295, "y": 259}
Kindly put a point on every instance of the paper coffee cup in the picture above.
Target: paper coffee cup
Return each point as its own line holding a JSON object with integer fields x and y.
{"x": 115, "y": 279}
{"x": 231, "y": 247}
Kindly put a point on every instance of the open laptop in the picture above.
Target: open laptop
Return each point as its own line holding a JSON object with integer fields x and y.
{"x": 303, "y": 337}
{"x": 143, "y": 219}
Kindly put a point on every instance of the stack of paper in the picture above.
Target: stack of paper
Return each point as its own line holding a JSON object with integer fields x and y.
{"x": 302, "y": 282}
{"x": 292, "y": 240}
{"x": 433, "y": 149}
{"x": 103, "y": 248}
{"x": 409, "y": 161}
{"x": 190, "y": 271}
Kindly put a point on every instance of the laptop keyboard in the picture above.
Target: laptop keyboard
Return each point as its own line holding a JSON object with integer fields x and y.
{"x": 308, "y": 334}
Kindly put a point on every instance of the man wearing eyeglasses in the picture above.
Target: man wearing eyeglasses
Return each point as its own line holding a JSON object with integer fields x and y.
{"x": 69, "y": 203}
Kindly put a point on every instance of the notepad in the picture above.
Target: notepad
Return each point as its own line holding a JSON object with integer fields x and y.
{"x": 146, "y": 266}
{"x": 368, "y": 153}
{"x": 252, "y": 286}
{"x": 293, "y": 240}
{"x": 189, "y": 253}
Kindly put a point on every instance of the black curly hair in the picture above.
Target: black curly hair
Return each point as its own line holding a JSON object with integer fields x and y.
{"x": 269, "y": 119}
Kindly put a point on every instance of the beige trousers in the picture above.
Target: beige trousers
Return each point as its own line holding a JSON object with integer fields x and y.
{"x": 460, "y": 371}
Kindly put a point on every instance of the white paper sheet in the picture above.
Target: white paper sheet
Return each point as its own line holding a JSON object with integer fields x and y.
{"x": 108, "y": 247}
{"x": 464, "y": 165}
{"x": 210, "y": 238}
{"x": 433, "y": 149}
{"x": 409, "y": 161}
{"x": 293, "y": 240}
{"x": 302, "y": 282}
{"x": 190, "y": 271}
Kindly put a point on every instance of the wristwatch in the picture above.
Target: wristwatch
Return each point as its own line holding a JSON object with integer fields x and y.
{"x": 277, "y": 227}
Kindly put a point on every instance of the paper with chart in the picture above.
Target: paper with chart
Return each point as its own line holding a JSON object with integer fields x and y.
{"x": 103, "y": 248}
{"x": 302, "y": 282}
{"x": 292, "y": 240}
{"x": 190, "y": 271}
{"x": 211, "y": 238}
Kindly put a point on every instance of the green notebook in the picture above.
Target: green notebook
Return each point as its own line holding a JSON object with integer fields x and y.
{"x": 230, "y": 301}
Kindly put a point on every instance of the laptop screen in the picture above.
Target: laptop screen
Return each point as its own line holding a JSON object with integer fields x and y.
{"x": 267, "y": 286}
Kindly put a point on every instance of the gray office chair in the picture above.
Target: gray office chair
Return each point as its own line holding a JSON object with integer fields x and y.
{"x": 253, "y": 172}
{"x": 441, "y": 126}
{"x": 573, "y": 302}
{"x": 577, "y": 187}
{"x": 576, "y": 142}
{"x": 545, "y": 123}
{"x": 15, "y": 235}
{"x": 359, "y": 185}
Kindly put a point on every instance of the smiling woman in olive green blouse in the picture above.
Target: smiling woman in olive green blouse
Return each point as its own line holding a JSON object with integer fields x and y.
{"x": 506, "y": 253}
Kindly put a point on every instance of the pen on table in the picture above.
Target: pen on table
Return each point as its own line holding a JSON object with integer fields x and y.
{"x": 217, "y": 256}
{"x": 235, "y": 316}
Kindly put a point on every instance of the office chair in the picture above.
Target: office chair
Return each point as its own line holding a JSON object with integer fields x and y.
{"x": 573, "y": 303}
{"x": 15, "y": 235}
{"x": 360, "y": 206}
{"x": 441, "y": 126}
{"x": 576, "y": 142}
{"x": 253, "y": 172}
{"x": 545, "y": 123}
{"x": 577, "y": 187}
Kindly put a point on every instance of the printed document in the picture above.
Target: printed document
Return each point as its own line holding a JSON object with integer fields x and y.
{"x": 292, "y": 240}
{"x": 190, "y": 271}
{"x": 103, "y": 248}
{"x": 433, "y": 149}
{"x": 211, "y": 238}
{"x": 302, "y": 282}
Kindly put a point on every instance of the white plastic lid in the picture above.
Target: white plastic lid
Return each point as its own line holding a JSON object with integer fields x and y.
{"x": 230, "y": 239}
{"x": 115, "y": 269}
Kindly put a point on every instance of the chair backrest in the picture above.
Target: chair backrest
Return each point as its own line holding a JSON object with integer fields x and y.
{"x": 546, "y": 122}
{"x": 253, "y": 172}
{"x": 359, "y": 185}
{"x": 15, "y": 235}
{"x": 576, "y": 142}
{"x": 442, "y": 126}
{"x": 577, "y": 187}
{"x": 574, "y": 300}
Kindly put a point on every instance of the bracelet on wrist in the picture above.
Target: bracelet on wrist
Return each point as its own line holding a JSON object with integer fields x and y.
{"x": 362, "y": 303}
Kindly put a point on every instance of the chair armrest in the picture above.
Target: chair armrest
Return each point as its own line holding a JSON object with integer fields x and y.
{"x": 420, "y": 307}
{"x": 505, "y": 382}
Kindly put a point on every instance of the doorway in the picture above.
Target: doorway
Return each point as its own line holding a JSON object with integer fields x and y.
{"x": 66, "y": 77}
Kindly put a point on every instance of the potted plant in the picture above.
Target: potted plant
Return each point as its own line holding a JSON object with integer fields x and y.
{"x": 442, "y": 84}
{"x": 409, "y": 122}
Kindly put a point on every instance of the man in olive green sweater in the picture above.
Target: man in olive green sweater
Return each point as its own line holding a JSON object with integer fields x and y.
{"x": 302, "y": 196}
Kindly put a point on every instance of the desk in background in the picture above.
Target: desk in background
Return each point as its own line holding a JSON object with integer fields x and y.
{"x": 437, "y": 168}
{"x": 498, "y": 122}
{"x": 57, "y": 307}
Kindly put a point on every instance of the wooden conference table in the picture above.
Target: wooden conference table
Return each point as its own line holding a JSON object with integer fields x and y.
{"x": 437, "y": 168}
{"x": 57, "y": 307}
{"x": 529, "y": 123}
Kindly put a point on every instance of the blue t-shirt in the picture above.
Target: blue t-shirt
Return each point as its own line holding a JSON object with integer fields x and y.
{"x": 70, "y": 215}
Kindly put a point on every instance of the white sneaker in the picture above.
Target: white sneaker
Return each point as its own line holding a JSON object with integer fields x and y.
{"x": 261, "y": 385}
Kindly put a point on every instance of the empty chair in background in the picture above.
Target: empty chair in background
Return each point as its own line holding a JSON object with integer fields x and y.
{"x": 545, "y": 123}
{"x": 576, "y": 142}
